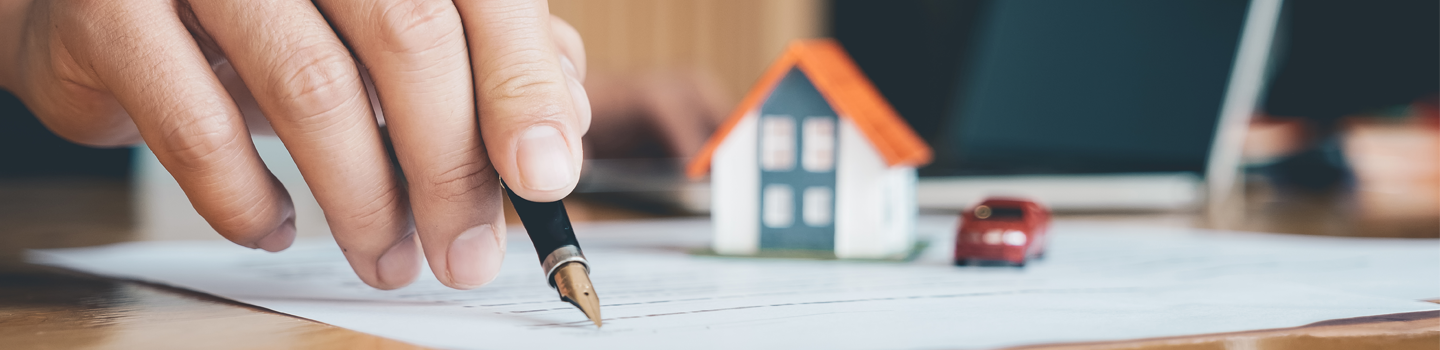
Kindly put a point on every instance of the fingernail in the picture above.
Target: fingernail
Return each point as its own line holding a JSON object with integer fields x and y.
{"x": 569, "y": 67}
{"x": 544, "y": 159}
{"x": 280, "y": 238}
{"x": 475, "y": 257}
{"x": 399, "y": 265}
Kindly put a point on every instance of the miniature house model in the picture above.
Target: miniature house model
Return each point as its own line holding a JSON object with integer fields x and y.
{"x": 813, "y": 159}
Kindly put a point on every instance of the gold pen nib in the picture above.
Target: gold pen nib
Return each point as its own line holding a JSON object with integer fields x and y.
{"x": 574, "y": 285}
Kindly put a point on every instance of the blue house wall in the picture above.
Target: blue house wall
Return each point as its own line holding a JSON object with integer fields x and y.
{"x": 794, "y": 97}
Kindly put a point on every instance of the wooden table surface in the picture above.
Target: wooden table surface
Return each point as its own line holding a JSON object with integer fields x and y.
{"x": 47, "y": 308}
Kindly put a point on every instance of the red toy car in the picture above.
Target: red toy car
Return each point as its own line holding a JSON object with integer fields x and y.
{"x": 1002, "y": 230}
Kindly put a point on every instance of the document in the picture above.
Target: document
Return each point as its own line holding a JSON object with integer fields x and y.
{"x": 1098, "y": 282}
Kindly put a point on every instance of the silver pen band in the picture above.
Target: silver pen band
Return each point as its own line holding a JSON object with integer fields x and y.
{"x": 559, "y": 257}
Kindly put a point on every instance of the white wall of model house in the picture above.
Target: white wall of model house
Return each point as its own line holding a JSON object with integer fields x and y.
{"x": 875, "y": 202}
{"x": 874, "y": 210}
{"x": 734, "y": 190}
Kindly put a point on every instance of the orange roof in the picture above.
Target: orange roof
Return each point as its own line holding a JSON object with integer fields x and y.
{"x": 847, "y": 90}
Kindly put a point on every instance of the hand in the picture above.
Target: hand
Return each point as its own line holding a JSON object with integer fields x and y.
{"x": 184, "y": 75}
{"x": 653, "y": 114}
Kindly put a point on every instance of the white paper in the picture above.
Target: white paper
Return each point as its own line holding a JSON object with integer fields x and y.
{"x": 1098, "y": 283}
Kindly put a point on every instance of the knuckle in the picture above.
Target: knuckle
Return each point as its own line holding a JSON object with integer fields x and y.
{"x": 382, "y": 211}
{"x": 197, "y": 142}
{"x": 459, "y": 182}
{"x": 511, "y": 14}
{"x": 416, "y": 26}
{"x": 320, "y": 80}
{"x": 526, "y": 73}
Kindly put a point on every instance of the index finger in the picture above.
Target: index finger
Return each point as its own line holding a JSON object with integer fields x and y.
{"x": 526, "y": 98}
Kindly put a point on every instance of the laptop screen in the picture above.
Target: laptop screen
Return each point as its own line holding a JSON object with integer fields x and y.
{"x": 1071, "y": 87}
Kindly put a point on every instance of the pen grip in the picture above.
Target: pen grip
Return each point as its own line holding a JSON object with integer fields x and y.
{"x": 546, "y": 222}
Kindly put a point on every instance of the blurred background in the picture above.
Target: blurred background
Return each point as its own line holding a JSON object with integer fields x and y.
{"x": 1344, "y": 139}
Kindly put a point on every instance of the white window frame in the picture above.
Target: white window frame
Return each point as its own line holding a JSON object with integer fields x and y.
{"x": 816, "y": 207}
{"x": 818, "y": 144}
{"x": 779, "y": 202}
{"x": 777, "y": 143}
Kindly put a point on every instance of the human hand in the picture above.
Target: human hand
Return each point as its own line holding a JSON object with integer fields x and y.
{"x": 185, "y": 75}
{"x": 653, "y": 114}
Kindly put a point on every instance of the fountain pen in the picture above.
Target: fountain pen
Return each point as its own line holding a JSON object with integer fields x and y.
{"x": 564, "y": 264}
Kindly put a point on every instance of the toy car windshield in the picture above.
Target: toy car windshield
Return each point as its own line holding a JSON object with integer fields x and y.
{"x": 999, "y": 213}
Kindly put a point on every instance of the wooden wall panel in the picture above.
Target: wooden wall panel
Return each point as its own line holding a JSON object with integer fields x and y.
{"x": 733, "y": 40}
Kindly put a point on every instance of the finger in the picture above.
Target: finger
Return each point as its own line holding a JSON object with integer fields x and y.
{"x": 416, "y": 54}
{"x": 142, "y": 54}
{"x": 309, "y": 88}
{"x": 527, "y": 107}
{"x": 572, "y": 54}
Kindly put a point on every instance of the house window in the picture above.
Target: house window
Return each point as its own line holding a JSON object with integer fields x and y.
{"x": 816, "y": 206}
{"x": 818, "y": 152}
{"x": 777, "y": 143}
{"x": 779, "y": 206}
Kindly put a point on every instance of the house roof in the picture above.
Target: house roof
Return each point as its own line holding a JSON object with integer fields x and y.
{"x": 847, "y": 90}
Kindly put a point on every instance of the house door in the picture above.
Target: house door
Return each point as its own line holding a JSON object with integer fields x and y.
{"x": 797, "y": 167}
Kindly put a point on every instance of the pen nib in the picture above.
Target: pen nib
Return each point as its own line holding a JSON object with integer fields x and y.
{"x": 574, "y": 285}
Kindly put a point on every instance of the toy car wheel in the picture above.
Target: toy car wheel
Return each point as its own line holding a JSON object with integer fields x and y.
{"x": 1018, "y": 264}
{"x": 962, "y": 262}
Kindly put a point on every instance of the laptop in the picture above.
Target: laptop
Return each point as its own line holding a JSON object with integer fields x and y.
{"x": 1127, "y": 105}
{"x": 1104, "y": 105}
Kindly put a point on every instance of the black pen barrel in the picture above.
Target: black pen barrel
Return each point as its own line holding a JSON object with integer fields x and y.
{"x": 546, "y": 222}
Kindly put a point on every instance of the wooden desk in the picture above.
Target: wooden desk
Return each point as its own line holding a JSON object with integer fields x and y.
{"x": 46, "y": 308}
